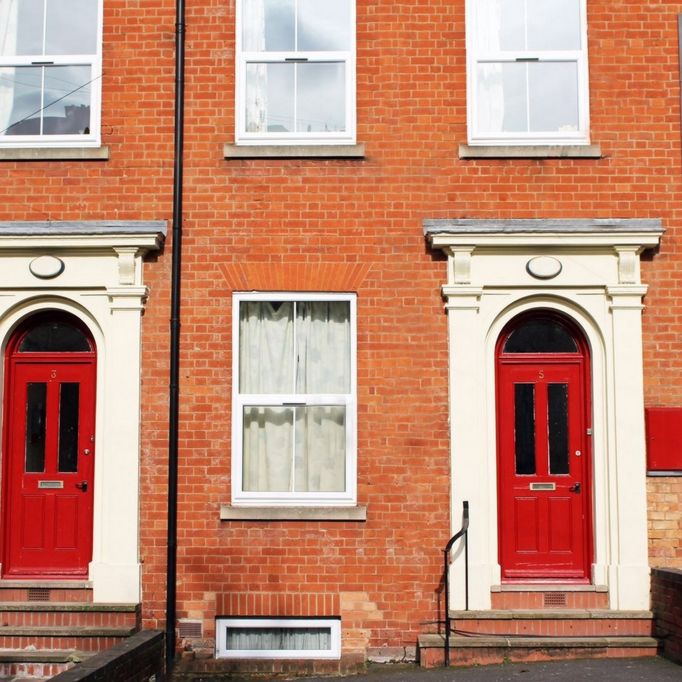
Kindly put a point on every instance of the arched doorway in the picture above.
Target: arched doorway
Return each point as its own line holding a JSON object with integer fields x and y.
{"x": 544, "y": 454}
{"x": 49, "y": 438}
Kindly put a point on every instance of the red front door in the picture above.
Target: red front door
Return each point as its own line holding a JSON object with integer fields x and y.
{"x": 544, "y": 467}
{"x": 49, "y": 446}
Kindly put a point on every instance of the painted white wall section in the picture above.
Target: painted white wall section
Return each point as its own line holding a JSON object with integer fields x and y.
{"x": 102, "y": 284}
{"x": 597, "y": 286}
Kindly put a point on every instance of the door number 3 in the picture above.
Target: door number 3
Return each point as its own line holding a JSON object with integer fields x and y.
{"x": 53, "y": 374}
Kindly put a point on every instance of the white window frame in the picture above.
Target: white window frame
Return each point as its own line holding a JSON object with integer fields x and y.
{"x": 240, "y": 497}
{"x": 334, "y": 624}
{"x": 475, "y": 56}
{"x": 92, "y": 139}
{"x": 242, "y": 137}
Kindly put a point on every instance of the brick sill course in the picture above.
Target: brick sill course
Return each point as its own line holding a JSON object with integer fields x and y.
{"x": 568, "y": 151}
{"x": 273, "y": 151}
{"x": 54, "y": 154}
{"x": 230, "y": 513}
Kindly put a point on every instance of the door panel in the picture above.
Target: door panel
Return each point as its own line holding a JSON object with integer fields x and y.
{"x": 48, "y": 511}
{"x": 543, "y": 468}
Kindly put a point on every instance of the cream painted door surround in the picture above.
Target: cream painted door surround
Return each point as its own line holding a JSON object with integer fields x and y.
{"x": 93, "y": 270}
{"x": 589, "y": 272}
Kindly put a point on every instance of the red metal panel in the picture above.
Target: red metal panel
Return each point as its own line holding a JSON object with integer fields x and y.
{"x": 664, "y": 438}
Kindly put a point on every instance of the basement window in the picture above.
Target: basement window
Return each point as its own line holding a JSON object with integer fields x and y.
{"x": 318, "y": 638}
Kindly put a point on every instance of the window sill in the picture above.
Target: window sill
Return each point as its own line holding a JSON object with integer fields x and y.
{"x": 299, "y": 151}
{"x": 54, "y": 154}
{"x": 230, "y": 513}
{"x": 568, "y": 151}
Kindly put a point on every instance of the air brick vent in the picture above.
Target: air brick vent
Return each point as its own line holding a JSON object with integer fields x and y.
{"x": 555, "y": 599}
{"x": 38, "y": 594}
{"x": 188, "y": 629}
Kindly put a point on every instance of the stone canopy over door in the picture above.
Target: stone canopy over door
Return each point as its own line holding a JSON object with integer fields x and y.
{"x": 87, "y": 275}
{"x": 584, "y": 273}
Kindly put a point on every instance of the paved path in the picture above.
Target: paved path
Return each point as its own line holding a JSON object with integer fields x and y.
{"x": 603, "y": 670}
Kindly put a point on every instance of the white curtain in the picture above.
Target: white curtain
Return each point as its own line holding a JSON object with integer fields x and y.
{"x": 278, "y": 639}
{"x": 8, "y": 46}
{"x": 298, "y": 348}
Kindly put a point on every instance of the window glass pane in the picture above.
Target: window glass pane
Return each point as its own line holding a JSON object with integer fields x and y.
{"x": 502, "y": 100}
{"x": 270, "y": 98}
{"x": 323, "y": 347}
{"x": 320, "y": 459}
{"x": 321, "y": 97}
{"x": 35, "y": 427}
{"x": 268, "y": 449}
{"x": 21, "y": 27}
{"x": 323, "y": 25}
{"x": 54, "y": 337}
{"x": 278, "y": 639}
{"x": 269, "y": 25}
{"x": 67, "y": 100}
{"x": 524, "y": 431}
{"x": 20, "y": 88}
{"x": 266, "y": 347}
{"x": 553, "y": 96}
{"x": 553, "y": 24}
{"x": 540, "y": 336}
{"x": 501, "y": 25}
{"x": 69, "y": 394}
{"x": 557, "y": 413}
{"x": 71, "y": 27}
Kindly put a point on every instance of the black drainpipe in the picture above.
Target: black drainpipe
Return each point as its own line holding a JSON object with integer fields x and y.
{"x": 174, "y": 397}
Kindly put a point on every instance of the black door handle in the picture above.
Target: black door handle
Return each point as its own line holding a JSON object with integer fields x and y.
{"x": 83, "y": 485}
{"x": 575, "y": 488}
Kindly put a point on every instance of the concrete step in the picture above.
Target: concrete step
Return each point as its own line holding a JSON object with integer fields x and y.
{"x": 68, "y": 614}
{"x": 38, "y": 665}
{"x": 523, "y": 596}
{"x": 487, "y": 649}
{"x": 45, "y": 591}
{"x": 554, "y": 623}
{"x": 86, "y": 639}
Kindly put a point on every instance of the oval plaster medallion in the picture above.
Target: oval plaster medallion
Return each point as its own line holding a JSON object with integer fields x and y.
{"x": 46, "y": 267}
{"x": 543, "y": 267}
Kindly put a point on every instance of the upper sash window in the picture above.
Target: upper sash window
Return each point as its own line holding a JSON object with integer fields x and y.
{"x": 527, "y": 72}
{"x": 295, "y": 72}
{"x": 50, "y": 72}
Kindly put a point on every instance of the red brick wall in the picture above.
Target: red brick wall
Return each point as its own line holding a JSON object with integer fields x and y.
{"x": 666, "y": 603}
{"x": 283, "y": 224}
{"x": 348, "y": 225}
{"x": 665, "y": 521}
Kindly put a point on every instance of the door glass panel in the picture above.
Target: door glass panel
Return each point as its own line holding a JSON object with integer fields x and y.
{"x": 35, "y": 427}
{"x": 540, "y": 336}
{"x": 69, "y": 394}
{"x": 524, "y": 428}
{"x": 54, "y": 337}
{"x": 557, "y": 415}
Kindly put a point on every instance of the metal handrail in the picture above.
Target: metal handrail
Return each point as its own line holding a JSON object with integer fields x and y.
{"x": 462, "y": 532}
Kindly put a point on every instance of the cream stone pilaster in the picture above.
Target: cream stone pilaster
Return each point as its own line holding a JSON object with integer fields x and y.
{"x": 628, "y": 565}
{"x": 115, "y": 567}
{"x": 467, "y": 438}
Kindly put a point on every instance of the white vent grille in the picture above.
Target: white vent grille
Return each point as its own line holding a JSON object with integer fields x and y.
{"x": 189, "y": 629}
{"x": 555, "y": 599}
